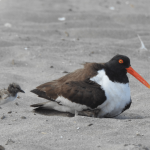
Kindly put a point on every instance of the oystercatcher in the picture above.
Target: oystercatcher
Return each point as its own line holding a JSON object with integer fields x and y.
{"x": 10, "y": 94}
{"x": 100, "y": 87}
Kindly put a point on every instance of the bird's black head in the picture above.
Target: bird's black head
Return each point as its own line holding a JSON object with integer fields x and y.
{"x": 117, "y": 68}
{"x": 119, "y": 63}
{"x": 14, "y": 88}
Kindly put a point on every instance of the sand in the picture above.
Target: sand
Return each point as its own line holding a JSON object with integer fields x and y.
{"x": 41, "y": 40}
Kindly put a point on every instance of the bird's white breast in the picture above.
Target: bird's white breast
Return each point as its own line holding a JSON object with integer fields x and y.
{"x": 5, "y": 99}
{"x": 117, "y": 94}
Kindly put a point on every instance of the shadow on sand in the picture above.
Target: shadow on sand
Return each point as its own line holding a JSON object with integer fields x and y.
{"x": 49, "y": 112}
{"x": 131, "y": 116}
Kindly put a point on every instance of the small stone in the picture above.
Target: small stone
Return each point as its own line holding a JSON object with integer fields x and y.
{"x": 3, "y": 117}
{"x": 127, "y": 2}
{"x": 10, "y": 141}
{"x": 139, "y": 134}
{"x": 90, "y": 124}
{"x": 112, "y": 8}
{"x": 61, "y": 137}
{"x": 51, "y": 66}
{"x": 145, "y": 148}
{"x": 43, "y": 132}
{"x": 65, "y": 72}
{"x": 9, "y": 112}
{"x": 8, "y": 25}
{"x": 78, "y": 128}
{"x": 23, "y": 117}
{"x": 17, "y": 104}
{"x": 13, "y": 62}
{"x": 67, "y": 34}
{"x": 118, "y": 2}
{"x": 62, "y": 19}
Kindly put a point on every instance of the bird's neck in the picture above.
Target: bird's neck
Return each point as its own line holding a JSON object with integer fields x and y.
{"x": 117, "y": 76}
{"x": 14, "y": 94}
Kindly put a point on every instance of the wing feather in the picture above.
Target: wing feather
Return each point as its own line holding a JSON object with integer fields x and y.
{"x": 85, "y": 93}
{"x": 76, "y": 87}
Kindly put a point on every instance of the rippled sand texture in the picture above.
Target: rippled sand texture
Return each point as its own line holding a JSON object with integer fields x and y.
{"x": 41, "y": 40}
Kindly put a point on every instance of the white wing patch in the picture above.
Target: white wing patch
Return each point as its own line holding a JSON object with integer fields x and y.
{"x": 72, "y": 105}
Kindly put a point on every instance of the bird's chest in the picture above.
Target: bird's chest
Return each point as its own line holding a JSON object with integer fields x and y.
{"x": 5, "y": 99}
{"x": 117, "y": 95}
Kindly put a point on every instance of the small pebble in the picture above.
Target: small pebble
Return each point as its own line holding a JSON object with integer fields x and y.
{"x": 62, "y": 19}
{"x": 70, "y": 9}
{"x": 139, "y": 134}
{"x": 118, "y": 2}
{"x": 3, "y": 117}
{"x": 127, "y": 2}
{"x": 17, "y": 104}
{"x": 23, "y": 117}
{"x": 112, "y": 8}
{"x": 65, "y": 72}
{"x": 9, "y": 112}
{"x": 78, "y": 128}
{"x": 8, "y": 25}
{"x": 90, "y": 124}
{"x": 10, "y": 141}
{"x": 51, "y": 66}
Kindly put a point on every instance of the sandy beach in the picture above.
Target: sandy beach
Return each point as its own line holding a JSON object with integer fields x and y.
{"x": 42, "y": 40}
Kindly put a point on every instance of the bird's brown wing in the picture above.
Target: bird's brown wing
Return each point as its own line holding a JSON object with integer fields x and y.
{"x": 75, "y": 86}
{"x": 81, "y": 92}
{"x": 47, "y": 90}
{"x": 84, "y": 92}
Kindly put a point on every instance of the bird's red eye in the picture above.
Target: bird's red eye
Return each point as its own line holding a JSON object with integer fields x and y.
{"x": 120, "y": 61}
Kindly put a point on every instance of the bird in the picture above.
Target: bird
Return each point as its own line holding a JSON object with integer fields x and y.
{"x": 98, "y": 87}
{"x": 10, "y": 94}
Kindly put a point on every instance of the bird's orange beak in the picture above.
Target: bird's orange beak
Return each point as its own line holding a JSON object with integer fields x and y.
{"x": 136, "y": 75}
